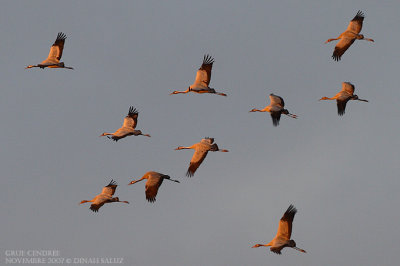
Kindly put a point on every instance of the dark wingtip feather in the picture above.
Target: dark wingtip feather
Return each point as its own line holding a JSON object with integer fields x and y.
{"x": 112, "y": 183}
{"x": 189, "y": 173}
{"x": 336, "y": 57}
{"x": 151, "y": 200}
{"x": 132, "y": 111}
{"x": 291, "y": 209}
{"x": 359, "y": 15}
{"x": 61, "y": 36}
{"x": 208, "y": 60}
{"x": 275, "y": 119}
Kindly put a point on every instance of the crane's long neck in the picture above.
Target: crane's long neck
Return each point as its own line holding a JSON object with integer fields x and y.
{"x": 333, "y": 39}
{"x": 106, "y": 134}
{"x": 31, "y": 66}
{"x": 84, "y": 201}
{"x": 135, "y": 181}
{"x": 262, "y": 245}
{"x": 176, "y": 92}
{"x": 327, "y": 98}
{"x": 184, "y": 148}
{"x": 266, "y": 109}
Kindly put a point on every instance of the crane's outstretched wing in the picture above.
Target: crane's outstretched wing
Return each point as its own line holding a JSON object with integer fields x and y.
{"x": 96, "y": 206}
{"x": 348, "y": 87}
{"x": 110, "y": 188}
{"x": 152, "y": 185}
{"x": 342, "y": 47}
{"x": 285, "y": 224}
{"x": 276, "y": 117}
{"x": 356, "y": 23}
{"x": 341, "y": 106}
{"x": 197, "y": 159}
{"x": 131, "y": 119}
{"x": 203, "y": 75}
{"x": 276, "y": 100}
{"x": 208, "y": 140}
{"x": 56, "y": 49}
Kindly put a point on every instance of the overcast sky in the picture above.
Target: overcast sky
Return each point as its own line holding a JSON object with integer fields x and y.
{"x": 341, "y": 173}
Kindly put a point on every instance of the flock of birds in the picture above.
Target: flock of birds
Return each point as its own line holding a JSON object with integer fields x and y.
{"x": 201, "y": 85}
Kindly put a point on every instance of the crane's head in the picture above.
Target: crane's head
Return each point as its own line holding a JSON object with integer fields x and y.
{"x": 257, "y": 246}
{"x": 30, "y": 66}
{"x": 254, "y": 110}
{"x": 132, "y": 182}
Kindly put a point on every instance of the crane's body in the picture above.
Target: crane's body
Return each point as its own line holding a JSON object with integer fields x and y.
{"x": 106, "y": 196}
{"x": 347, "y": 37}
{"x": 282, "y": 237}
{"x": 203, "y": 78}
{"x": 201, "y": 149}
{"x": 154, "y": 181}
{"x": 56, "y": 50}
{"x": 342, "y": 97}
{"x": 128, "y": 128}
{"x": 276, "y": 108}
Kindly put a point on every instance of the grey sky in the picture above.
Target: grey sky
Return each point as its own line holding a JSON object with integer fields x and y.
{"x": 340, "y": 172}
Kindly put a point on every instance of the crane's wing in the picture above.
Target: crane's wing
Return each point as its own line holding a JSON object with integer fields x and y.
{"x": 356, "y": 23}
{"x": 131, "y": 119}
{"x": 57, "y": 48}
{"x": 197, "y": 159}
{"x": 276, "y": 100}
{"x": 348, "y": 88}
{"x": 341, "y": 47}
{"x": 203, "y": 75}
{"x": 285, "y": 224}
{"x": 110, "y": 188}
{"x": 98, "y": 201}
{"x": 207, "y": 140}
{"x": 341, "y": 106}
{"x": 152, "y": 185}
{"x": 95, "y": 207}
{"x": 276, "y": 117}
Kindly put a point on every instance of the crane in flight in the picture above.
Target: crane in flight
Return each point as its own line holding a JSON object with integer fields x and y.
{"x": 106, "y": 196}
{"x": 56, "y": 50}
{"x": 128, "y": 127}
{"x": 200, "y": 152}
{"x": 154, "y": 181}
{"x": 345, "y": 95}
{"x": 349, "y": 36}
{"x": 203, "y": 77}
{"x": 275, "y": 108}
{"x": 282, "y": 238}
